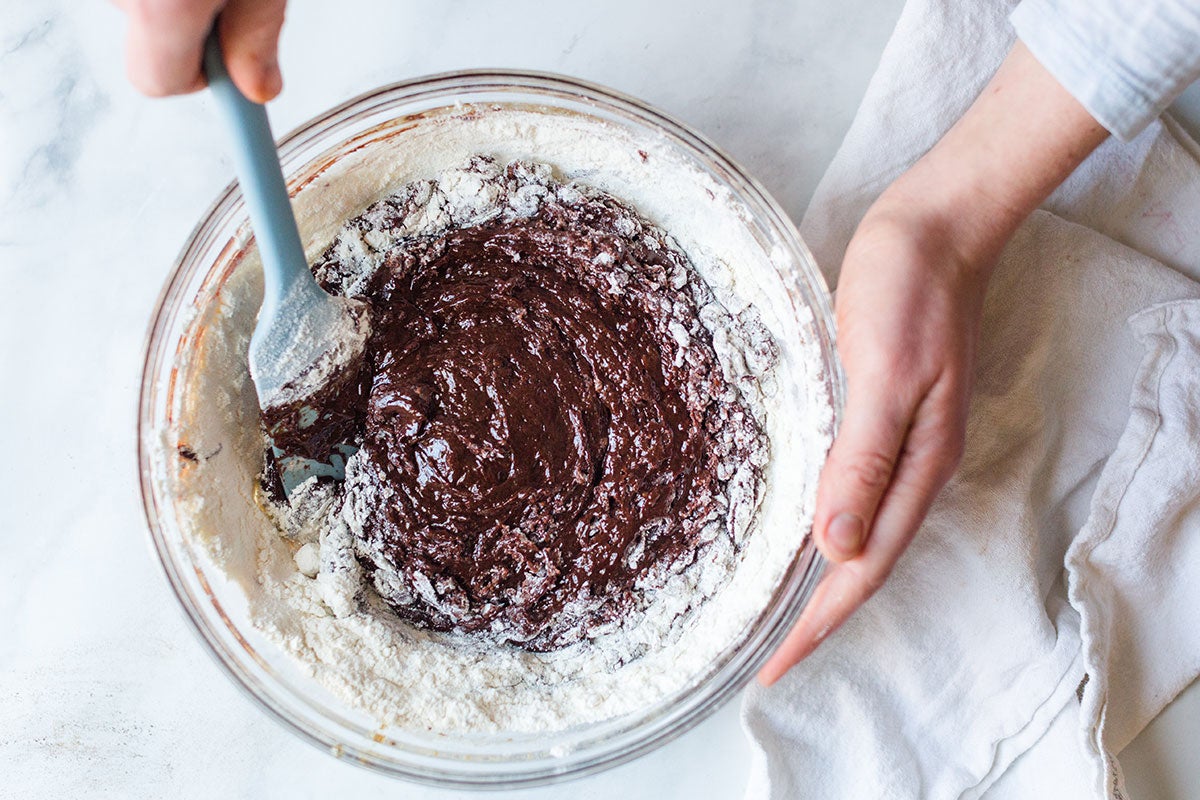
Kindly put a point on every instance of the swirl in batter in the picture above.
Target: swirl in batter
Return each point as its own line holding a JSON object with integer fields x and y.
{"x": 543, "y": 425}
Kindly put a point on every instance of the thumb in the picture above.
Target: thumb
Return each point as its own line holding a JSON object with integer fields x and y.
{"x": 859, "y": 469}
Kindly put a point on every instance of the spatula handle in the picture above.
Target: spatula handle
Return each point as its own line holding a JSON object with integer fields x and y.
{"x": 261, "y": 179}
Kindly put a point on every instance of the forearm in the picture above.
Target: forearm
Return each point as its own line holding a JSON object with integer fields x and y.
{"x": 1020, "y": 139}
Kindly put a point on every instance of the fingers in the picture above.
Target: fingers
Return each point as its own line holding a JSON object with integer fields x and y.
{"x": 931, "y": 449}
{"x": 166, "y": 44}
{"x": 850, "y": 584}
{"x": 859, "y": 468}
{"x": 250, "y": 44}
{"x": 831, "y": 603}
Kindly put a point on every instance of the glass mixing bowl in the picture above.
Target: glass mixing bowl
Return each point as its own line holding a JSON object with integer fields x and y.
{"x": 215, "y": 606}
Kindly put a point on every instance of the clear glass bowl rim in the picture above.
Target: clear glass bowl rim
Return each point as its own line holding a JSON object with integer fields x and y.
{"x": 789, "y": 599}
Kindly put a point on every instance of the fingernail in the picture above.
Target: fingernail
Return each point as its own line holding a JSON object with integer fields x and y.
{"x": 844, "y": 536}
{"x": 266, "y": 84}
{"x": 274, "y": 81}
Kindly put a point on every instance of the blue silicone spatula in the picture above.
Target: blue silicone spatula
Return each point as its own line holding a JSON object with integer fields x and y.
{"x": 303, "y": 334}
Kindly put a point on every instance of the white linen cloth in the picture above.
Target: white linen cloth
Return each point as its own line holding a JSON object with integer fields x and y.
{"x": 1067, "y": 546}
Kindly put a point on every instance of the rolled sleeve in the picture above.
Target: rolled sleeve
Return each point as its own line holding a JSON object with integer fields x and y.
{"x": 1123, "y": 60}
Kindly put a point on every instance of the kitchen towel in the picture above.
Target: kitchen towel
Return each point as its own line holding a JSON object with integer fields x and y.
{"x": 1046, "y": 610}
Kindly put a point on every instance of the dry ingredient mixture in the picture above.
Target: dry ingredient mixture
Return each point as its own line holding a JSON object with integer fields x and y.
{"x": 563, "y": 507}
{"x": 544, "y": 430}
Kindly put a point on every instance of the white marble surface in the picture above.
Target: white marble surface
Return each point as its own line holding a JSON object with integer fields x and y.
{"x": 103, "y": 690}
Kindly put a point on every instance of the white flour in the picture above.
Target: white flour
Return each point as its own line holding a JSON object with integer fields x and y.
{"x": 307, "y": 596}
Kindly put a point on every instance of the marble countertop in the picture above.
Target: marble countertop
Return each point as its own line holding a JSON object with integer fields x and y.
{"x": 103, "y": 690}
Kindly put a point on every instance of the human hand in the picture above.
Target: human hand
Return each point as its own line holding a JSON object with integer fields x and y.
{"x": 908, "y": 306}
{"x": 165, "y": 44}
{"x": 909, "y": 300}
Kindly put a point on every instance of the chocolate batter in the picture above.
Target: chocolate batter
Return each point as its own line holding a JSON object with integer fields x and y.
{"x": 544, "y": 428}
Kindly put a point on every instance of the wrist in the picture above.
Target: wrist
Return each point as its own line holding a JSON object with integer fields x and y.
{"x": 1020, "y": 139}
{"x": 944, "y": 196}
{"x": 940, "y": 219}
